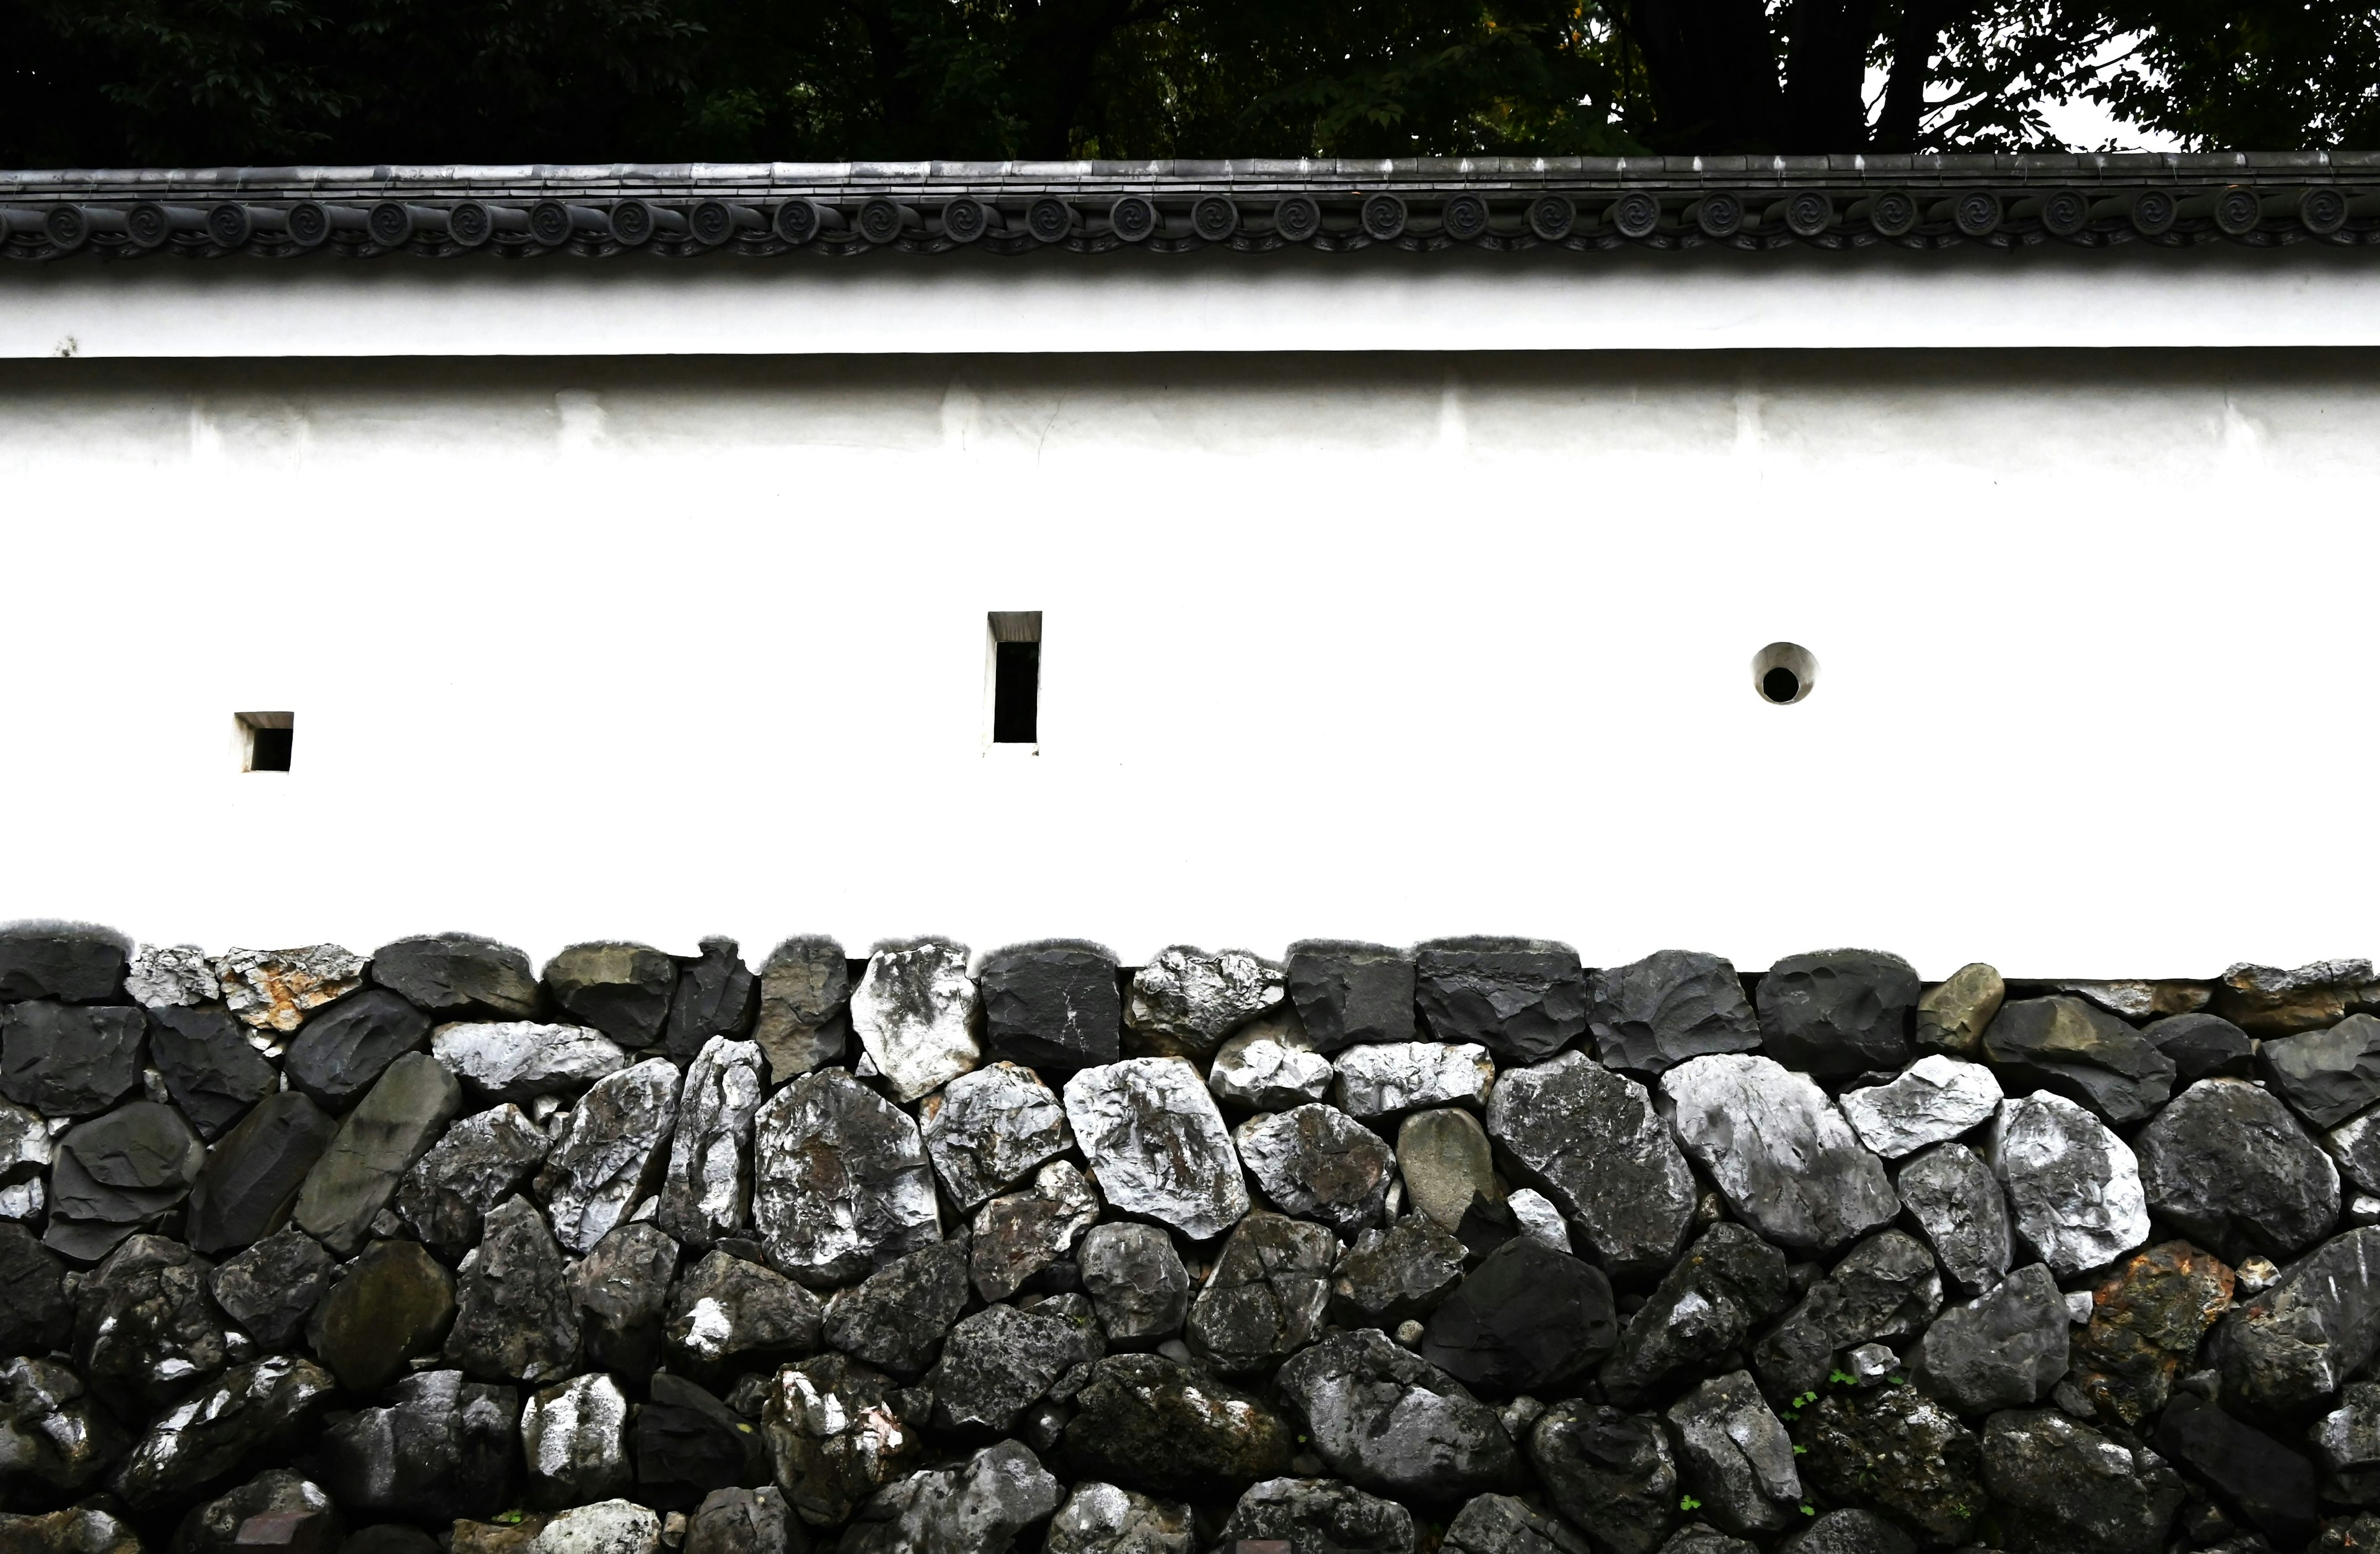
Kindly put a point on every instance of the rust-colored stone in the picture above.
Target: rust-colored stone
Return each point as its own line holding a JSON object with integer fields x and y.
{"x": 2145, "y": 1325}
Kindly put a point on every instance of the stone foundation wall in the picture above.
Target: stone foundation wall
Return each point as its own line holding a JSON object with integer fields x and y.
{"x": 1361, "y": 1251}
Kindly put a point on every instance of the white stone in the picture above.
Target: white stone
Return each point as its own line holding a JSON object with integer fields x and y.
{"x": 170, "y": 976}
{"x": 1380, "y": 1079}
{"x": 828, "y": 1228}
{"x": 608, "y": 1153}
{"x": 520, "y": 1060}
{"x": 1772, "y": 1142}
{"x": 1157, "y": 1145}
{"x": 277, "y": 989}
{"x": 2079, "y": 1308}
{"x": 1933, "y": 1100}
{"x": 26, "y": 1146}
{"x": 2074, "y": 1188}
{"x": 916, "y": 1012}
{"x": 23, "y": 1201}
{"x": 605, "y": 1527}
{"x": 1267, "y": 1065}
{"x": 987, "y": 1130}
{"x": 1537, "y": 1218}
{"x": 1197, "y": 999}
{"x": 708, "y": 1183}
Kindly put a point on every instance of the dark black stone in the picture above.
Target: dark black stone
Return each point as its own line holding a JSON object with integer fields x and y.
{"x": 2080, "y": 1051}
{"x": 74, "y": 963}
{"x": 1346, "y": 993}
{"x": 209, "y": 1068}
{"x": 1147, "y": 1423}
{"x": 342, "y": 1049}
{"x": 516, "y": 1320}
{"x": 1653, "y": 1015}
{"x": 1390, "y": 1421}
{"x": 303, "y": 1520}
{"x": 716, "y": 995}
{"x": 2064, "y": 1487}
{"x": 1608, "y": 1471}
{"x": 2228, "y": 1166}
{"x": 2329, "y": 1076}
{"x": 727, "y": 1312}
{"x": 479, "y": 1161}
{"x": 1387, "y": 1277}
{"x": 252, "y": 1176}
{"x": 445, "y": 1448}
{"x": 126, "y": 1167}
{"x": 145, "y": 1332}
{"x": 623, "y": 991}
{"x": 55, "y": 1439}
{"x": 458, "y": 976}
{"x": 1528, "y": 1318}
{"x": 1521, "y": 999}
{"x": 270, "y": 1289}
{"x": 250, "y": 1413}
{"x": 688, "y": 1443}
{"x": 2201, "y": 1046}
{"x": 1727, "y": 1282}
{"x": 1000, "y": 1361}
{"x": 392, "y": 1307}
{"x": 623, "y": 1289}
{"x": 1053, "y": 1006}
{"x": 1838, "y": 1011}
{"x": 2270, "y": 1484}
{"x": 70, "y": 1060}
{"x": 35, "y": 1316}
{"x": 1885, "y": 1289}
{"x": 389, "y": 1537}
{"x": 897, "y": 1316}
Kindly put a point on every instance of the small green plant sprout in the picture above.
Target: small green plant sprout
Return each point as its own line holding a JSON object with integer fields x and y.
{"x": 1898, "y": 1380}
{"x": 1800, "y": 1450}
{"x": 1809, "y": 1511}
{"x": 1841, "y": 1378}
{"x": 1687, "y": 1502}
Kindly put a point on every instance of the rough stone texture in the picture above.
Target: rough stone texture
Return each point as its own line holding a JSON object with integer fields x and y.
{"x": 841, "y": 1186}
{"x": 715, "y": 998}
{"x": 2081, "y": 1053}
{"x": 1319, "y": 1516}
{"x": 276, "y": 989}
{"x": 1388, "y": 1419}
{"x": 1953, "y": 1015}
{"x": 250, "y": 1180}
{"x": 897, "y": 1316}
{"x": 1157, "y": 1145}
{"x": 1148, "y": 1423}
{"x": 251, "y": 1409}
{"x": 621, "y": 1290}
{"x": 834, "y": 1438}
{"x": 687, "y": 1444}
{"x": 75, "y": 1530}
{"x": 25, "y": 1147}
{"x": 1391, "y": 1276}
{"x": 458, "y": 976}
{"x": 2065, "y": 1488}
{"x": 803, "y": 1021}
{"x": 342, "y": 1050}
{"x": 1527, "y": 1319}
{"x": 1934, "y": 1099}
{"x": 1055, "y": 1005}
{"x": 270, "y": 1290}
{"x": 170, "y": 976}
{"x": 1898, "y": 1451}
{"x": 36, "y": 1315}
{"x": 1445, "y": 1162}
{"x": 1104, "y": 1519}
{"x": 55, "y": 1441}
{"x": 275, "y": 1510}
{"x": 1269, "y": 1066}
{"x": 999, "y": 1361}
{"x": 1185, "y": 1001}
{"x": 612, "y": 1526}
{"x": 1838, "y": 1011}
{"x": 2227, "y": 1165}
{"x": 1382, "y": 1079}
{"x": 126, "y": 1167}
{"x": 2074, "y": 1188}
{"x": 145, "y": 1335}
{"x": 2004, "y": 1349}
{"x": 2271, "y": 1485}
{"x": 1773, "y": 1143}
{"x": 392, "y": 1305}
{"x": 623, "y": 991}
{"x": 1591, "y": 1140}
{"x": 2354, "y": 1145}
{"x": 1017, "y": 1235}
{"x": 521, "y": 1060}
{"x": 2146, "y": 1321}
{"x": 740, "y": 1521}
{"x": 574, "y": 1440}
{"x": 1317, "y": 1162}
{"x": 377, "y": 1143}
{"x": 707, "y": 1189}
{"x": 977, "y": 1507}
{"x": 2302, "y": 1337}
{"x": 727, "y": 1311}
{"x": 209, "y": 1068}
{"x": 70, "y": 1060}
{"x": 2327, "y": 1075}
{"x": 987, "y": 1131}
{"x": 1884, "y": 1287}
{"x": 1136, "y": 1280}
{"x": 515, "y": 1319}
{"x": 1849, "y": 1531}
{"x": 1728, "y": 1282}
{"x": 76, "y": 963}
{"x": 610, "y": 1154}
{"x": 479, "y": 1161}
{"x": 1652, "y": 1015}
{"x": 1958, "y": 1204}
{"x": 1734, "y": 1456}
{"x": 1266, "y": 1298}
{"x": 1521, "y": 999}
{"x": 1612, "y": 1474}
{"x": 916, "y": 1012}
{"x": 2347, "y": 1441}
{"x": 2268, "y": 1002}
{"x": 1347, "y": 993}
{"x": 2201, "y": 1046}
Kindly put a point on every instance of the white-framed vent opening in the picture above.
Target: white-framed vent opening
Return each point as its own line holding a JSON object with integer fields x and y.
{"x": 1012, "y": 680}
{"x": 265, "y": 739}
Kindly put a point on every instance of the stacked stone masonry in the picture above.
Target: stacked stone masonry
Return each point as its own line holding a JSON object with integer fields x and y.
{"x": 1367, "y": 1250}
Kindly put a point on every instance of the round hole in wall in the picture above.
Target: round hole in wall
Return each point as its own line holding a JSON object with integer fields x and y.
{"x": 1784, "y": 673}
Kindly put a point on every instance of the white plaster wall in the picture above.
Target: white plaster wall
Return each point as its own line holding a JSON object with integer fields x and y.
{"x": 1371, "y": 645}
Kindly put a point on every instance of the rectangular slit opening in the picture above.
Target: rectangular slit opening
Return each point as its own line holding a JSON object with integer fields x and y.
{"x": 1015, "y": 677}
{"x": 265, "y": 739}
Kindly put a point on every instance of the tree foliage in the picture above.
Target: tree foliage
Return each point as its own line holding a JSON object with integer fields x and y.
{"x": 115, "y": 82}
